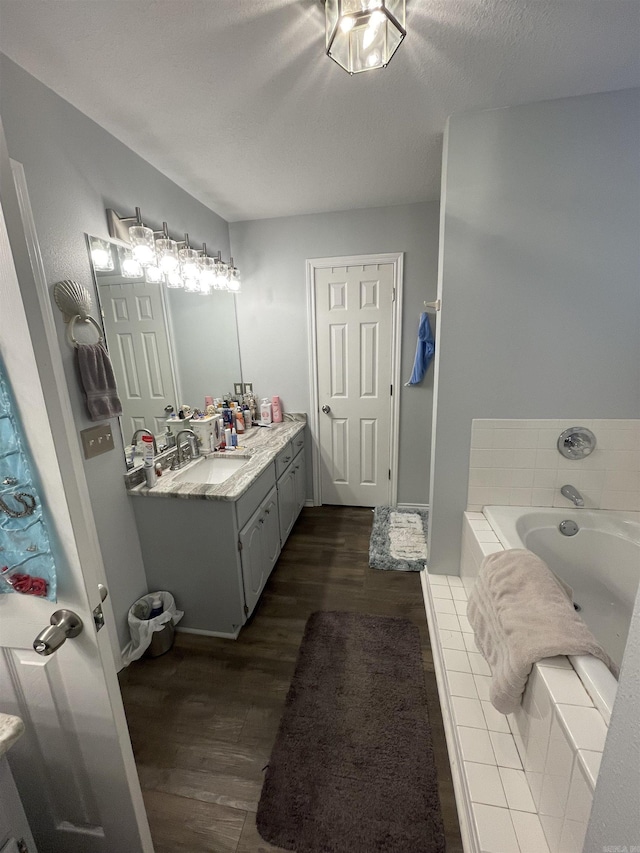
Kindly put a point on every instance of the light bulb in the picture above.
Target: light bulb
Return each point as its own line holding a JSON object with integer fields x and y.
{"x": 142, "y": 244}
{"x": 222, "y": 276}
{"x": 167, "y": 253}
{"x": 191, "y": 285}
{"x": 373, "y": 29}
{"x": 347, "y": 23}
{"x": 129, "y": 267}
{"x": 174, "y": 279}
{"x": 373, "y": 59}
{"x": 101, "y": 255}
{"x": 205, "y": 287}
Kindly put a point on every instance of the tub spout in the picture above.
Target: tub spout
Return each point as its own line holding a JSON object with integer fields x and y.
{"x": 572, "y": 494}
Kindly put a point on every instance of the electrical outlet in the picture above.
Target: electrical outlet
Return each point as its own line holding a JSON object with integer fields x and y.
{"x": 96, "y": 440}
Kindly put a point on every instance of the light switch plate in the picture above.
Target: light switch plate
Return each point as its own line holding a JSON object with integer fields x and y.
{"x": 96, "y": 440}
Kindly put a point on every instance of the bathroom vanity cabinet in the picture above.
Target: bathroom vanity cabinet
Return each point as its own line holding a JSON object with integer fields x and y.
{"x": 215, "y": 556}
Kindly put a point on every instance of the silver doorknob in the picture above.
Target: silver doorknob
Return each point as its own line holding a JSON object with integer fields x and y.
{"x": 326, "y": 409}
{"x": 65, "y": 624}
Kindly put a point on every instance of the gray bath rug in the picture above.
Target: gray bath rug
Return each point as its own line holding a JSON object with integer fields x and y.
{"x": 399, "y": 539}
{"x": 352, "y": 769}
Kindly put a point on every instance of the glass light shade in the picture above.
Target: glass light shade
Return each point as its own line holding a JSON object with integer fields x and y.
{"x": 167, "y": 254}
{"x": 234, "y": 280}
{"x": 364, "y": 34}
{"x": 153, "y": 274}
{"x": 101, "y": 255}
{"x": 222, "y": 276}
{"x": 129, "y": 266}
{"x": 174, "y": 279}
{"x": 207, "y": 273}
{"x": 189, "y": 263}
{"x": 191, "y": 285}
{"x": 143, "y": 246}
{"x": 205, "y": 287}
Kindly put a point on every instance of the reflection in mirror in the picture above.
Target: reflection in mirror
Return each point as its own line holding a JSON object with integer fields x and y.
{"x": 168, "y": 347}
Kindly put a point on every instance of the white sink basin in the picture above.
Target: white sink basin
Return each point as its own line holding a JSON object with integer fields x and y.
{"x": 211, "y": 470}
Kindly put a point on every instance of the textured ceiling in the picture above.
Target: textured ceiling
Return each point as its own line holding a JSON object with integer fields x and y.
{"x": 236, "y": 102}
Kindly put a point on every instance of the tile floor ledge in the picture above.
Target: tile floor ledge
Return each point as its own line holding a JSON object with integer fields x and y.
{"x": 496, "y": 809}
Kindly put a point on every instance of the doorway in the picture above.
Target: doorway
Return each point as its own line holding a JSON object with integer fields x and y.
{"x": 354, "y": 314}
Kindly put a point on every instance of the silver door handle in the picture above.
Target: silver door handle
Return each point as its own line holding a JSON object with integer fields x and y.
{"x": 326, "y": 409}
{"x": 104, "y": 592}
{"x": 65, "y": 624}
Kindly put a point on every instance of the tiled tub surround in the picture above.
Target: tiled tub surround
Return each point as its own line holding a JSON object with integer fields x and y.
{"x": 524, "y": 782}
{"x": 517, "y": 463}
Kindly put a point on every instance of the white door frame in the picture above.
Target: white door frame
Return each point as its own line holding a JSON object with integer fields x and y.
{"x": 313, "y": 264}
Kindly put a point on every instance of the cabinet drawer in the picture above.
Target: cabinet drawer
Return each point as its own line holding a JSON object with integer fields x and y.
{"x": 250, "y": 501}
{"x": 298, "y": 443}
{"x": 283, "y": 459}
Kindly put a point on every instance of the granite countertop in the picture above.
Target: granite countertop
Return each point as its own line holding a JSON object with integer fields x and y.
{"x": 260, "y": 444}
{"x": 11, "y": 729}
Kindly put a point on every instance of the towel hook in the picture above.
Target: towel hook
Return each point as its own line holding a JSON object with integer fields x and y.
{"x": 75, "y": 302}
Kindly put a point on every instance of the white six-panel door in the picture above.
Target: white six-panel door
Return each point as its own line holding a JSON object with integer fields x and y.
{"x": 73, "y": 766}
{"x": 138, "y": 342}
{"x": 354, "y": 340}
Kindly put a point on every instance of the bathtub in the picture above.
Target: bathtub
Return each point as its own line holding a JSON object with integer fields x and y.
{"x": 601, "y": 563}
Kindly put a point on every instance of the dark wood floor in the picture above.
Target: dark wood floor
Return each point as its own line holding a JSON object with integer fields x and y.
{"x": 203, "y": 717}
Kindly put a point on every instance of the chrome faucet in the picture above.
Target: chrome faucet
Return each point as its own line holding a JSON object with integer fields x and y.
{"x": 147, "y": 432}
{"x": 178, "y": 459}
{"x": 572, "y": 494}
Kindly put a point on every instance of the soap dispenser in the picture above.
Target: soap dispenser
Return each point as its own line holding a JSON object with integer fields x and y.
{"x": 265, "y": 411}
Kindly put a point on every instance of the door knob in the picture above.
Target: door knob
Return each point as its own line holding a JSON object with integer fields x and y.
{"x": 65, "y": 624}
{"x": 326, "y": 409}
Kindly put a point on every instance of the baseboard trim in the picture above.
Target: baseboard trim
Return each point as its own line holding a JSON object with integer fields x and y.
{"x": 309, "y": 502}
{"x": 463, "y": 800}
{"x": 202, "y": 633}
{"x": 413, "y": 506}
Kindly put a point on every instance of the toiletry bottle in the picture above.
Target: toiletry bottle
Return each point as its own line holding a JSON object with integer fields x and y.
{"x": 227, "y": 438}
{"x": 265, "y": 411}
{"x": 169, "y": 438}
{"x": 156, "y": 607}
{"x": 149, "y": 466}
{"x": 239, "y": 422}
{"x": 277, "y": 410}
{"x": 234, "y": 438}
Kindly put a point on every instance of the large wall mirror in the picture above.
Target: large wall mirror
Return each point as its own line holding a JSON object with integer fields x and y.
{"x": 167, "y": 346}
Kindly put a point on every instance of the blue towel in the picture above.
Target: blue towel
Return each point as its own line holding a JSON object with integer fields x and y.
{"x": 424, "y": 350}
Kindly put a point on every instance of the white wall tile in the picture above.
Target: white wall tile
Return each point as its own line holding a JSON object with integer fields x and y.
{"x": 495, "y": 830}
{"x": 481, "y": 437}
{"x": 564, "y": 686}
{"x": 448, "y": 622}
{"x": 452, "y": 640}
{"x": 505, "y": 749}
{"x": 470, "y": 643}
{"x": 468, "y": 712}
{"x": 441, "y": 591}
{"x": 479, "y": 666}
{"x": 484, "y": 784}
{"x": 590, "y": 761}
{"x": 524, "y": 458}
{"x": 580, "y": 796}
{"x": 458, "y": 593}
{"x": 516, "y": 790}
{"x": 584, "y": 726}
{"x": 557, "y": 773}
{"x": 476, "y": 745}
{"x": 542, "y": 497}
{"x": 496, "y": 721}
{"x": 443, "y": 605}
{"x": 462, "y": 684}
{"x": 483, "y": 683}
{"x": 529, "y": 832}
{"x": 456, "y": 660}
{"x": 552, "y": 827}
{"x": 544, "y": 478}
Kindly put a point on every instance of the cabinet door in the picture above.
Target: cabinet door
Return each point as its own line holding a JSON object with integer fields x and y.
{"x": 300, "y": 469}
{"x": 287, "y": 502}
{"x": 270, "y": 531}
{"x": 254, "y": 575}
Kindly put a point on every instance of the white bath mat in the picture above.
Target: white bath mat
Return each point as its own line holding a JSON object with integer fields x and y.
{"x": 398, "y": 539}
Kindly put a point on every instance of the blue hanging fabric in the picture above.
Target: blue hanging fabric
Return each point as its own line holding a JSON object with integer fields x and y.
{"x": 424, "y": 351}
{"x": 27, "y": 566}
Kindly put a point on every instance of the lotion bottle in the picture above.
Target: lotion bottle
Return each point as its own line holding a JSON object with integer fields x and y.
{"x": 265, "y": 411}
{"x": 277, "y": 410}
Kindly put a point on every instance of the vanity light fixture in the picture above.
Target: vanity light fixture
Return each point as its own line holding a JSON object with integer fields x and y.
{"x": 362, "y": 35}
{"x": 156, "y": 257}
{"x": 101, "y": 255}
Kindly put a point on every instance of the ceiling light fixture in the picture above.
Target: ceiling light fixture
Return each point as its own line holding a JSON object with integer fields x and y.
{"x": 364, "y": 34}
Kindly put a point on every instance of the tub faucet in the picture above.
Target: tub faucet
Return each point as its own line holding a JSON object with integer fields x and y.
{"x": 572, "y": 494}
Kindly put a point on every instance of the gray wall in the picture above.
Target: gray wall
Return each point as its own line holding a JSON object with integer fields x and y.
{"x": 272, "y": 310}
{"x": 539, "y": 266}
{"x": 74, "y": 170}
